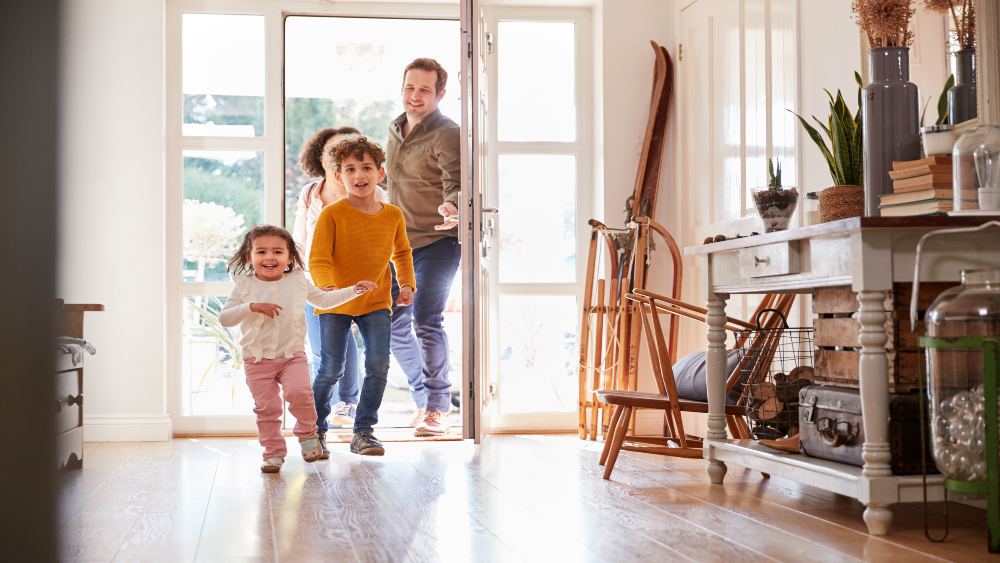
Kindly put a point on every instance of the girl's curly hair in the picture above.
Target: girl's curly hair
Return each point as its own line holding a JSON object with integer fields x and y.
{"x": 357, "y": 147}
{"x": 240, "y": 265}
{"x": 311, "y": 157}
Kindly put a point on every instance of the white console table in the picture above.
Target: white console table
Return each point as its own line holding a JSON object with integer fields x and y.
{"x": 869, "y": 254}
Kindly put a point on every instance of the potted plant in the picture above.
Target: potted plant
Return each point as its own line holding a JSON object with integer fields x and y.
{"x": 775, "y": 203}
{"x": 844, "y": 157}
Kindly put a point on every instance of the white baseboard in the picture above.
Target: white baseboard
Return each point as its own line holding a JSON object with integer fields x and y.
{"x": 127, "y": 428}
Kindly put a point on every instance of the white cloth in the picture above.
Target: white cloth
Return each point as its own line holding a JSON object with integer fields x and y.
{"x": 75, "y": 347}
{"x": 285, "y": 334}
{"x": 306, "y": 215}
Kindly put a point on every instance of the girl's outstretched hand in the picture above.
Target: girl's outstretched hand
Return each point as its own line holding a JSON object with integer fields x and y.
{"x": 271, "y": 310}
{"x": 364, "y": 286}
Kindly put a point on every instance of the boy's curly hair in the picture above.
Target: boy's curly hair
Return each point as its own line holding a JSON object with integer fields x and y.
{"x": 240, "y": 265}
{"x": 311, "y": 157}
{"x": 431, "y": 65}
{"x": 358, "y": 148}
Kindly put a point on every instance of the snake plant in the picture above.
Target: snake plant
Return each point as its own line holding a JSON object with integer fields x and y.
{"x": 844, "y": 154}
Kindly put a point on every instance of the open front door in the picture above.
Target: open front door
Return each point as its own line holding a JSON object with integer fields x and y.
{"x": 476, "y": 230}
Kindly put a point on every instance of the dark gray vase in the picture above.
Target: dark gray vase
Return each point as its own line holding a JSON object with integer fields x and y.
{"x": 962, "y": 96}
{"x": 891, "y": 114}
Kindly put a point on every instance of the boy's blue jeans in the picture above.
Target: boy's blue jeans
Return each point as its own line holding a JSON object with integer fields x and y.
{"x": 347, "y": 388}
{"x": 335, "y": 330}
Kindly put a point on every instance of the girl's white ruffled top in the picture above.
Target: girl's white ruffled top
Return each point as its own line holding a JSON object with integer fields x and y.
{"x": 285, "y": 334}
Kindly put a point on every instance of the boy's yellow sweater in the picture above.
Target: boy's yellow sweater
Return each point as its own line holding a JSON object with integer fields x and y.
{"x": 350, "y": 246}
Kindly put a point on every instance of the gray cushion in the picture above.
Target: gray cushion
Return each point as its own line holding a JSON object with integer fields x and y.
{"x": 690, "y": 373}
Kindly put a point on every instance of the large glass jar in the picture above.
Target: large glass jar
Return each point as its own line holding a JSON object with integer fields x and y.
{"x": 955, "y": 375}
{"x": 976, "y": 171}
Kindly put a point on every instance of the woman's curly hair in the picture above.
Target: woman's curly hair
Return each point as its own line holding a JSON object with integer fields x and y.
{"x": 357, "y": 147}
{"x": 311, "y": 157}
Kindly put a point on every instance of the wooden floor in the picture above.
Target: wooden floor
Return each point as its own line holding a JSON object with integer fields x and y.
{"x": 535, "y": 498}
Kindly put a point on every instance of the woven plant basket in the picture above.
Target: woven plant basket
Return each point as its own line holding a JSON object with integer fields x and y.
{"x": 841, "y": 202}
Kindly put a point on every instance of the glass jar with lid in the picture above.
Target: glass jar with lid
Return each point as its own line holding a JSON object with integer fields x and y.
{"x": 955, "y": 381}
{"x": 976, "y": 172}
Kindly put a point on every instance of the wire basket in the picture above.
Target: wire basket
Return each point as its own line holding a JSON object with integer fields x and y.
{"x": 774, "y": 364}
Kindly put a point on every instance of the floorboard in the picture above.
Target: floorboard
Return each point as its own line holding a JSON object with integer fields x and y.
{"x": 514, "y": 498}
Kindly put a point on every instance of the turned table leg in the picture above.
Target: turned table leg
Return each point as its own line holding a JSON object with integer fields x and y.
{"x": 873, "y": 375}
{"x": 716, "y": 373}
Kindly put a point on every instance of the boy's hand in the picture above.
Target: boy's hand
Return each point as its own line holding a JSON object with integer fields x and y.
{"x": 271, "y": 310}
{"x": 364, "y": 286}
{"x": 405, "y": 296}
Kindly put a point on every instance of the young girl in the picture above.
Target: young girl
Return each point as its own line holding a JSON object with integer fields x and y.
{"x": 268, "y": 303}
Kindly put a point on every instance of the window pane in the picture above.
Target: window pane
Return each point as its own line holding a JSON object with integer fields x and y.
{"x": 537, "y": 220}
{"x": 213, "y": 381}
{"x": 223, "y": 196}
{"x": 536, "y": 85}
{"x": 223, "y": 75}
{"x": 538, "y": 353}
{"x": 348, "y": 72}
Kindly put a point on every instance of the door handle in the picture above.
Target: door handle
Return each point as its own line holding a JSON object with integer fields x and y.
{"x": 490, "y": 210}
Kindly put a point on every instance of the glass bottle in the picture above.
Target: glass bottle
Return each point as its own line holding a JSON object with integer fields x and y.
{"x": 955, "y": 375}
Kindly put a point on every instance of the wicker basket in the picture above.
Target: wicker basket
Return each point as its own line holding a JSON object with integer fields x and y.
{"x": 841, "y": 202}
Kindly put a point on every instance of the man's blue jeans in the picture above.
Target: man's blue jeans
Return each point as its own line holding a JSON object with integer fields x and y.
{"x": 347, "y": 388}
{"x": 419, "y": 341}
{"x": 335, "y": 330}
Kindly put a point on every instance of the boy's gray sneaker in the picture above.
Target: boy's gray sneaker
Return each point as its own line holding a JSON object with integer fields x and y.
{"x": 365, "y": 443}
{"x": 322, "y": 445}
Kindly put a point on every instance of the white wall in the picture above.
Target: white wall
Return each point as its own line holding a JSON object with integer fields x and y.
{"x": 624, "y": 76}
{"x": 830, "y": 53}
{"x": 626, "y": 70}
{"x": 111, "y": 209}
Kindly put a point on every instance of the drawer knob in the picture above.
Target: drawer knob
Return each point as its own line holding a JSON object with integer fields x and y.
{"x": 757, "y": 260}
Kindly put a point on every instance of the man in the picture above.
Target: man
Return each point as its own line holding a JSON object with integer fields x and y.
{"x": 424, "y": 170}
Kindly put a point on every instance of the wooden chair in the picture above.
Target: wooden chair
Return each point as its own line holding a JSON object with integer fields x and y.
{"x": 660, "y": 344}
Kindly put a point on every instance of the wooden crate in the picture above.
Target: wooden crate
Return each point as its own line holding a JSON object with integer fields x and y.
{"x": 837, "y": 350}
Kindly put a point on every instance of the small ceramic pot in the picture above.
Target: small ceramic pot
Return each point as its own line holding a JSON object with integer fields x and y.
{"x": 938, "y": 139}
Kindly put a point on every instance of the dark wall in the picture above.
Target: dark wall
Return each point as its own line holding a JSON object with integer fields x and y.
{"x": 29, "y": 33}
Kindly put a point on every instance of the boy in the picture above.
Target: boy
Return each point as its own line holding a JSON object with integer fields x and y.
{"x": 355, "y": 238}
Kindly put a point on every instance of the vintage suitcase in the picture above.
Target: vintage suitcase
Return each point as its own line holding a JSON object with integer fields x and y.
{"x": 830, "y": 427}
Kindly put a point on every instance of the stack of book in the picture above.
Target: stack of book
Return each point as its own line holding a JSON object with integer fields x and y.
{"x": 920, "y": 187}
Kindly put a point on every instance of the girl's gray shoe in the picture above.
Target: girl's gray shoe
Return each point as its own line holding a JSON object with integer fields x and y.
{"x": 311, "y": 450}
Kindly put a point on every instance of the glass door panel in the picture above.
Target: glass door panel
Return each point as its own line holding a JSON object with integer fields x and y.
{"x": 536, "y": 98}
{"x": 537, "y": 228}
{"x": 222, "y": 77}
{"x": 212, "y": 364}
{"x": 539, "y": 354}
{"x": 223, "y": 195}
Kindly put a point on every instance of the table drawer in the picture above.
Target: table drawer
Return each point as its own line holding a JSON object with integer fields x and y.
{"x": 777, "y": 259}
{"x": 65, "y": 361}
{"x": 69, "y": 400}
